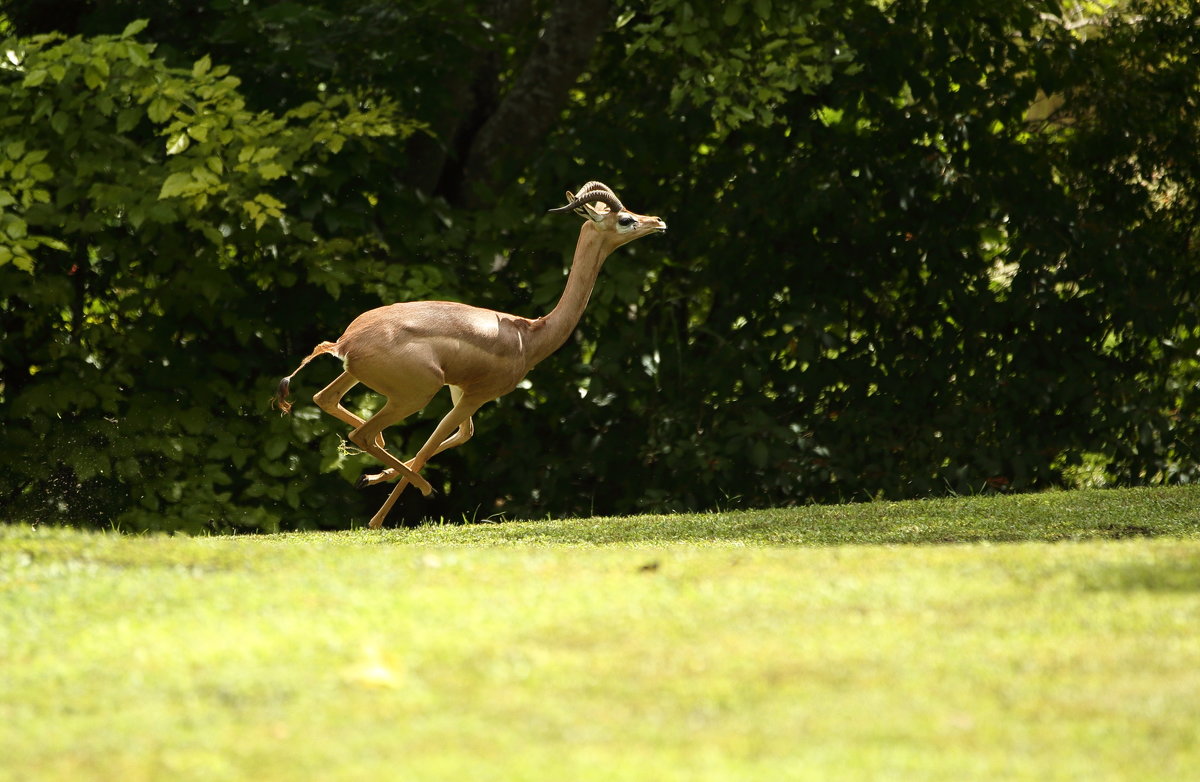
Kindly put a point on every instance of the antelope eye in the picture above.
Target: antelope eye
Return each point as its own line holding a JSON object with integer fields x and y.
{"x": 625, "y": 221}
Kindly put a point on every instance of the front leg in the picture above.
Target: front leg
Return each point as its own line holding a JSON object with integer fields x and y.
{"x": 458, "y": 420}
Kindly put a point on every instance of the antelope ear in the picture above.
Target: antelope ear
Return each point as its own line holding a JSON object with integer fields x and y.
{"x": 593, "y": 214}
{"x": 570, "y": 196}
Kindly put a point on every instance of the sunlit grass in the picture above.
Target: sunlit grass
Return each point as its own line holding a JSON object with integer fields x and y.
{"x": 786, "y": 644}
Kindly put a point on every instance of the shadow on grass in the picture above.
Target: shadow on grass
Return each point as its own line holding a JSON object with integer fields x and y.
{"x": 1172, "y": 576}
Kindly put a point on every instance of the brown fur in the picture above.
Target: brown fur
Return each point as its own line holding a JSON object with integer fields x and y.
{"x": 281, "y": 394}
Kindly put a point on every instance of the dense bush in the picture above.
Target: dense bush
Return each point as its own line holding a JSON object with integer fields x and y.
{"x": 918, "y": 249}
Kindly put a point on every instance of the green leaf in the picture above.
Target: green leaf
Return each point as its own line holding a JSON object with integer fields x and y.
{"x": 161, "y": 213}
{"x": 45, "y": 107}
{"x": 271, "y": 171}
{"x": 137, "y": 54}
{"x": 161, "y": 109}
{"x": 34, "y": 78}
{"x": 625, "y": 18}
{"x": 201, "y": 66}
{"x": 93, "y": 78}
{"x": 127, "y": 119}
{"x": 15, "y": 149}
{"x": 134, "y": 27}
{"x": 41, "y": 172}
{"x": 100, "y": 63}
{"x": 15, "y": 227}
{"x": 274, "y": 447}
{"x": 733, "y": 13}
{"x": 178, "y": 183}
{"x": 178, "y": 143}
{"x": 269, "y": 201}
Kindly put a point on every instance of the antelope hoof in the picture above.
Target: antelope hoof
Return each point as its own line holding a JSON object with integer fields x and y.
{"x": 367, "y": 479}
{"x": 370, "y": 479}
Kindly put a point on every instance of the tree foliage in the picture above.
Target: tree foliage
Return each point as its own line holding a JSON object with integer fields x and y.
{"x": 914, "y": 248}
{"x": 148, "y": 237}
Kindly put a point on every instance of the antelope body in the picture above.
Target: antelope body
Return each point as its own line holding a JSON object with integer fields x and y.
{"x": 408, "y": 351}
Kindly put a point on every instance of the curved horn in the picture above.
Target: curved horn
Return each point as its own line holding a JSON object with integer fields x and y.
{"x": 594, "y": 185}
{"x": 591, "y": 192}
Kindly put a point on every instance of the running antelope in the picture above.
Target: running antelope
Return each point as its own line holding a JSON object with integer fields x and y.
{"x": 408, "y": 351}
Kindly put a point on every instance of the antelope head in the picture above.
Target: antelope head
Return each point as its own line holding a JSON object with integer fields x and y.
{"x": 605, "y": 213}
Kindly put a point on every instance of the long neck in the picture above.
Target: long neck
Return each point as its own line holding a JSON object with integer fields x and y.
{"x": 554, "y": 328}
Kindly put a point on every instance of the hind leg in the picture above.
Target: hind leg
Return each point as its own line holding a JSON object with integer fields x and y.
{"x": 366, "y": 436}
{"x": 458, "y": 420}
{"x": 464, "y": 432}
{"x": 329, "y": 399}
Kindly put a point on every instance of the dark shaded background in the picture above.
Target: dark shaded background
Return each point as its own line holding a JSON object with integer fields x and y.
{"x": 942, "y": 247}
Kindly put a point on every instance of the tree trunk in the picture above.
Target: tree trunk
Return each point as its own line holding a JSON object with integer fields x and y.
{"x": 505, "y": 142}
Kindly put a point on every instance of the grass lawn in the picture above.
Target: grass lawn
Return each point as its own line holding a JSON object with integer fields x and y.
{"x": 1042, "y": 637}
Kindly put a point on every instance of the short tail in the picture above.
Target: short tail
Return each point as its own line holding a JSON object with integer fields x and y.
{"x": 281, "y": 392}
